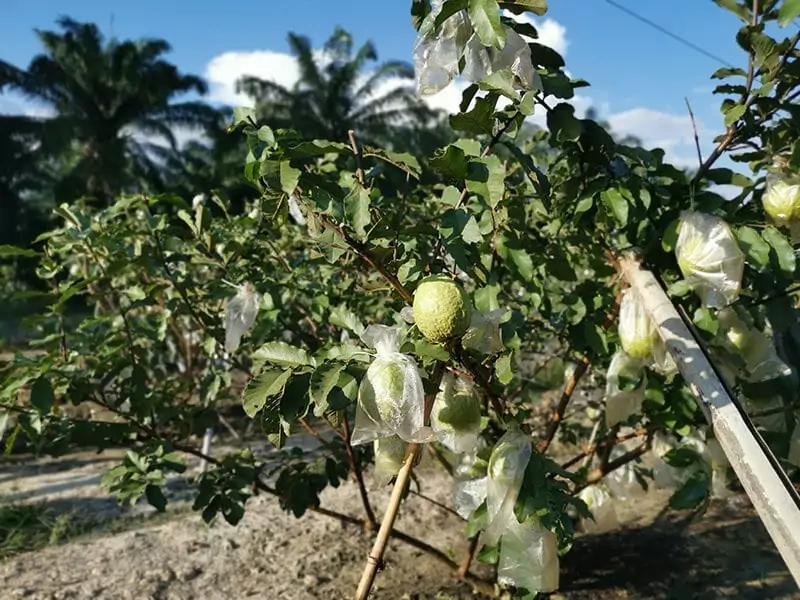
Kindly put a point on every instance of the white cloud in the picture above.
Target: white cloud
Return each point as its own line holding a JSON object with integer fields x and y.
{"x": 226, "y": 69}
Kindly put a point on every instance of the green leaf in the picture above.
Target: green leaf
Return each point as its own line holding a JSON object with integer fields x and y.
{"x": 501, "y": 82}
{"x": 402, "y": 160}
{"x": 458, "y": 223}
{"x": 323, "y": 380}
{"x": 343, "y": 317}
{"x": 706, "y": 321}
{"x": 449, "y": 8}
{"x": 754, "y": 247}
{"x": 479, "y": 120}
{"x": 692, "y": 493}
{"x": 784, "y": 253}
{"x": 670, "y": 236}
{"x": 267, "y": 384}
{"x": 734, "y": 113}
{"x": 281, "y": 353}
{"x": 485, "y": 17}
{"x": 563, "y": 125}
{"x": 316, "y": 148}
{"x": 503, "y": 369}
{"x": 450, "y": 162}
{"x": 616, "y": 204}
{"x": 289, "y": 177}
{"x": 243, "y": 115}
{"x": 486, "y": 177}
{"x": 356, "y": 210}
{"x": 155, "y": 497}
{"x": 736, "y": 8}
{"x": 537, "y": 7}
{"x": 42, "y": 397}
{"x": 266, "y": 135}
{"x": 6, "y": 251}
{"x": 788, "y": 12}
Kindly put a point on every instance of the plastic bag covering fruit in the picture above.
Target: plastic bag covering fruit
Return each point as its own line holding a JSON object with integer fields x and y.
{"x": 756, "y": 349}
{"x": 469, "y": 483}
{"x": 456, "y": 414}
{"x": 483, "y": 334}
{"x": 507, "y": 466}
{"x": 781, "y": 199}
{"x": 622, "y": 482}
{"x": 436, "y": 55}
{"x": 664, "y": 474}
{"x": 709, "y": 258}
{"x": 637, "y": 334}
{"x": 390, "y": 452}
{"x": 391, "y": 399}
{"x": 528, "y": 557}
{"x": 620, "y": 400}
{"x": 240, "y": 314}
{"x": 442, "y": 308}
{"x": 601, "y": 505}
{"x": 480, "y": 61}
{"x": 712, "y": 458}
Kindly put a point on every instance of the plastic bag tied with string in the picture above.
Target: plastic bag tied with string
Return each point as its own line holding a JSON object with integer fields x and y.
{"x": 709, "y": 257}
{"x": 391, "y": 400}
{"x": 752, "y": 346}
{"x": 470, "y": 479}
{"x": 781, "y": 199}
{"x": 240, "y": 315}
{"x": 626, "y": 382}
{"x": 507, "y": 465}
{"x": 601, "y": 505}
{"x": 484, "y": 334}
{"x": 528, "y": 557}
{"x": 456, "y": 414}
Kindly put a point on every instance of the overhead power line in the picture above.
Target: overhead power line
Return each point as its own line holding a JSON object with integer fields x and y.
{"x": 667, "y": 32}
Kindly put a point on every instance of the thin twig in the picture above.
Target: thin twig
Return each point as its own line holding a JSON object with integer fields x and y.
{"x": 357, "y": 152}
{"x": 463, "y": 568}
{"x": 376, "y": 555}
{"x": 592, "y": 448}
{"x": 435, "y": 502}
{"x": 615, "y": 464}
{"x": 696, "y": 136}
{"x": 371, "y": 523}
{"x": 440, "y": 459}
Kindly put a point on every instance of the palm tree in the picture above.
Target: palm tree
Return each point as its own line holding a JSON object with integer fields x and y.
{"x": 335, "y": 94}
{"x": 108, "y": 97}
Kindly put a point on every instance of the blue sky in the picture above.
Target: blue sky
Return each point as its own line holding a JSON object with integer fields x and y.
{"x": 639, "y": 76}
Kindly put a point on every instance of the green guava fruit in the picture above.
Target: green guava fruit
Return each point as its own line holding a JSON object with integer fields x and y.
{"x": 460, "y": 410}
{"x": 442, "y": 309}
{"x": 737, "y": 337}
{"x": 640, "y": 347}
{"x": 389, "y": 454}
{"x": 382, "y": 389}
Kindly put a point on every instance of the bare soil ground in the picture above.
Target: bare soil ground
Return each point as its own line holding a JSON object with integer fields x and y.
{"x": 272, "y": 555}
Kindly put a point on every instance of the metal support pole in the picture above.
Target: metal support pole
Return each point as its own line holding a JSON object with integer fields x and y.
{"x": 773, "y": 496}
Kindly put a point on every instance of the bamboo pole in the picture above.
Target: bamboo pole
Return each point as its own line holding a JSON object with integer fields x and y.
{"x": 774, "y": 498}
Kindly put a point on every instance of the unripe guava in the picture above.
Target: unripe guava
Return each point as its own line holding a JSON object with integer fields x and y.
{"x": 389, "y": 454}
{"x": 782, "y": 200}
{"x": 639, "y": 348}
{"x": 459, "y": 410}
{"x": 689, "y": 252}
{"x": 381, "y": 390}
{"x": 737, "y": 337}
{"x": 442, "y": 308}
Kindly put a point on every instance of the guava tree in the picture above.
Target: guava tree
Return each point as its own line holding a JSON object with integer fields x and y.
{"x": 391, "y": 305}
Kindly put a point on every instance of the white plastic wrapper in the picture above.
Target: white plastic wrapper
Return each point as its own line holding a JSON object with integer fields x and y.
{"x": 391, "y": 400}
{"x": 665, "y": 476}
{"x": 622, "y": 482}
{"x": 456, "y": 414}
{"x": 637, "y": 334}
{"x": 436, "y": 56}
{"x": 712, "y": 457}
{"x": 601, "y": 504}
{"x": 622, "y": 403}
{"x": 483, "y": 334}
{"x": 507, "y": 465}
{"x": 480, "y": 61}
{"x": 528, "y": 557}
{"x": 295, "y": 211}
{"x": 390, "y": 452}
{"x": 756, "y": 349}
{"x": 709, "y": 258}
{"x": 469, "y": 484}
{"x": 781, "y": 199}
{"x": 240, "y": 315}
{"x": 662, "y": 359}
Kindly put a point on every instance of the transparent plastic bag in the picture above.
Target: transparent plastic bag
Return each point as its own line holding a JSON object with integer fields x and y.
{"x": 528, "y": 557}
{"x": 469, "y": 483}
{"x": 781, "y": 199}
{"x": 506, "y": 470}
{"x": 620, "y": 401}
{"x": 456, "y": 414}
{"x": 712, "y": 457}
{"x": 390, "y": 452}
{"x": 665, "y": 476}
{"x": 756, "y": 349}
{"x": 240, "y": 315}
{"x": 483, "y": 334}
{"x": 637, "y": 334}
{"x": 295, "y": 211}
{"x": 480, "y": 61}
{"x": 709, "y": 257}
{"x": 601, "y": 505}
{"x": 391, "y": 400}
{"x": 436, "y": 56}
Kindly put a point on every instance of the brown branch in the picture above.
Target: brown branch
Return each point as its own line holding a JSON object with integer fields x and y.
{"x": 696, "y": 136}
{"x": 371, "y": 523}
{"x": 440, "y": 459}
{"x": 481, "y": 378}
{"x": 438, "y": 504}
{"x": 591, "y": 449}
{"x": 615, "y": 464}
{"x": 463, "y": 568}
{"x": 376, "y": 555}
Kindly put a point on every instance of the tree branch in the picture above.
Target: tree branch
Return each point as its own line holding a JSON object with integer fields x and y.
{"x": 371, "y": 523}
